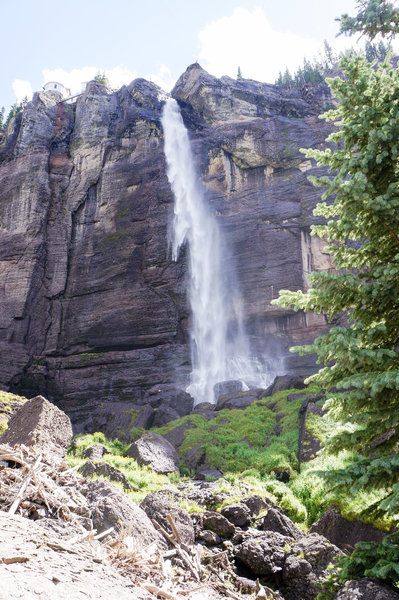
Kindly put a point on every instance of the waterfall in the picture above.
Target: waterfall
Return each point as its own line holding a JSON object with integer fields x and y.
{"x": 219, "y": 348}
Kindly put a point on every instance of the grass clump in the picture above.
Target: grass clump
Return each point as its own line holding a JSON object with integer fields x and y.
{"x": 8, "y": 404}
{"x": 142, "y": 479}
{"x": 263, "y": 436}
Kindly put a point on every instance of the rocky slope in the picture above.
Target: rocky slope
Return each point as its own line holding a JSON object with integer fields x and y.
{"x": 90, "y": 540}
{"x": 92, "y": 308}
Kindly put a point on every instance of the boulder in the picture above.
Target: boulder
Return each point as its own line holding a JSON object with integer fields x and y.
{"x": 196, "y": 456}
{"x": 207, "y": 473}
{"x": 158, "y": 507}
{"x": 239, "y": 514}
{"x": 169, "y": 403}
{"x": 155, "y": 451}
{"x": 112, "y": 508}
{"x": 306, "y": 566}
{"x": 284, "y": 382}
{"x": 227, "y": 387}
{"x": 144, "y": 417}
{"x": 256, "y": 503}
{"x": 343, "y": 533}
{"x": 102, "y": 469}
{"x": 263, "y": 554}
{"x": 95, "y": 452}
{"x": 317, "y": 550}
{"x": 41, "y": 424}
{"x": 114, "y": 419}
{"x": 206, "y": 410}
{"x": 366, "y": 589}
{"x": 208, "y": 538}
{"x": 276, "y": 520}
{"x": 218, "y": 524}
{"x": 176, "y": 435}
{"x": 236, "y": 400}
{"x": 201, "y": 492}
{"x": 9, "y": 404}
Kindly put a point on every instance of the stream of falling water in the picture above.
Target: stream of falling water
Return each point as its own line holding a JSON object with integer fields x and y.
{"x": 219, "y": 347}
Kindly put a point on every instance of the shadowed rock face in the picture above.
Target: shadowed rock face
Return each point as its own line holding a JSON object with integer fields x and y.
{"x": 92, "y": 308}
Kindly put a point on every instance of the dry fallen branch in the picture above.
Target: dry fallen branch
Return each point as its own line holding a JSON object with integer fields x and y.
{"x": 182, "y": 552}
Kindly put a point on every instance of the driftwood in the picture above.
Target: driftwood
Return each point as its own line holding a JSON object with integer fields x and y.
{"x": 29, "y": 486}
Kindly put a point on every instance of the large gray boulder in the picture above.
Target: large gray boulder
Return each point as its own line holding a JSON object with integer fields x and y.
{"x": 158, "y": 507}
{"x": 239, "y": 514}
{"x": 170, "y": 402}
{"x": 263, "y": 554}
{"x": 155, "y": 451}
{"x": 306, "y": 566}
{"x": 343, "y": 533}
{"x": 366, "y": 589}
{"x": 110, "y": 507}
{"x": 237, "y": 400}
{"x": 276, "y": 520}
{"x": 103, "y": 469}
{"x": 41, "y": 424}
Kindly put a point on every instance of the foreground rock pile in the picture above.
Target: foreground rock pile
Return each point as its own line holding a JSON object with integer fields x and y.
{"x": 66, "y": 536}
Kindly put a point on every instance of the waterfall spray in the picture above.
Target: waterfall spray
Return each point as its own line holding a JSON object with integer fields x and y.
{"x": 219, "y": 348}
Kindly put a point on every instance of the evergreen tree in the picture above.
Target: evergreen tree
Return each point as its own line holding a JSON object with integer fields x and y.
{"x": 374, "y": 17}
{"x": 287, "y": 79}
{"x": 14, "y": 110}
{"x": 329, "y": 59}
{"x": 2, "y": 117}
{"x": 239, "y": 74}
{"x": 101, "y": 78}
{"x": 361, "y": 361}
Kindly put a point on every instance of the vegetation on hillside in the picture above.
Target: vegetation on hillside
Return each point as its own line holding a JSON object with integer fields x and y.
{"x": 14, "y": 110}
{"x": 255, "y": 457}
{"x": 327, "y": 64}
{"x": 100, "y": 77}
{"x": 361, "y": 372}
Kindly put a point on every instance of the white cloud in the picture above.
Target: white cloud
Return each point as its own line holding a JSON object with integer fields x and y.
{"x": 22, "y": 89}
{"x": 247, "y": 40}
{"x": 163, "y": 78}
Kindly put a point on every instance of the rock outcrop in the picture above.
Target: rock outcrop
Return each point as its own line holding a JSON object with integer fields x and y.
{"x": 155, "y": 451}
{"x": 40, "y": 424}
{"x": 92, "y": 308}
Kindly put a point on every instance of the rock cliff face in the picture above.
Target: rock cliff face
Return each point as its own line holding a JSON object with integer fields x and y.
{"x": 92, "y": 308}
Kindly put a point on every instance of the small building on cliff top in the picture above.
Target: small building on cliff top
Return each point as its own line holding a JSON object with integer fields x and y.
{"x": 56, "y": 90}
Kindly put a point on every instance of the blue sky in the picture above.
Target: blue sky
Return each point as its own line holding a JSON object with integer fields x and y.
{"x": 70, "y": 41}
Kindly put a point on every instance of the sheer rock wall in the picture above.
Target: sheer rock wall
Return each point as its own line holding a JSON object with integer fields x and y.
{"x": 92, "y": 308}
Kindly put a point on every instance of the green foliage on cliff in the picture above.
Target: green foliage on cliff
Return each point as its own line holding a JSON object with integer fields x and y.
{"x": 100, "y": 77}
{"x": 237, "y": 440}
{"x": 361, "y": 372}
{"x": 14, "y": 110}
{"x": 9, "y": 403}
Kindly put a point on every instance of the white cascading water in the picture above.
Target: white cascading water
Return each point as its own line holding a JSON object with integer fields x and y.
{"x": 219, "y": 347}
